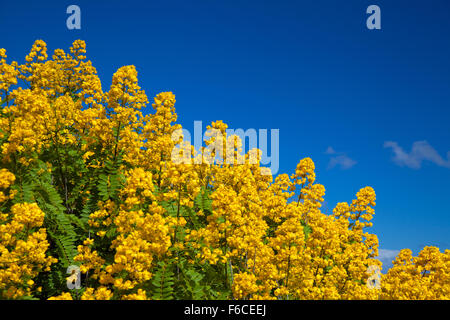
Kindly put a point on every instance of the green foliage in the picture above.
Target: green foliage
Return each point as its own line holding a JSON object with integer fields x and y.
{"x": 110, "y": 180}
{"x": 163, "y": 281}
{"x": 36, "y": 186}
{"x": 307, "y": 231}
{"x": 187, "y": 281}
{"x": 203, "y": 201}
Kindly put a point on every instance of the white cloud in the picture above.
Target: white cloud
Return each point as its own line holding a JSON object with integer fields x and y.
{"x": 339, "y": 159}
{"x": 420, "y": 151}
{"x": 343, "y": 161}
{"x": 330, "y": 150}
{"x": 386, "y": 256}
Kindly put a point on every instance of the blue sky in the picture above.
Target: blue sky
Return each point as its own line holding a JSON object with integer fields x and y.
{"x": 354, "y": 100}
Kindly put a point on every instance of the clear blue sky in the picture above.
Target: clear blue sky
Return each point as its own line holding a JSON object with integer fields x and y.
{"x": 309, "y": 68}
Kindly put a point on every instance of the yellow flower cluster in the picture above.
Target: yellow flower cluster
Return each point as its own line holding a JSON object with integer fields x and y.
{"x": 62, "y": 296}
{"x": 8, "y": 73}
{"x": 23, "y": 246}
{"x": 6, "y": 179}
{"x": 425, "y": 277}
{"x": 145, "y": 226}
{"x": 141, "y": 235}
{"x": 101, "y": 293}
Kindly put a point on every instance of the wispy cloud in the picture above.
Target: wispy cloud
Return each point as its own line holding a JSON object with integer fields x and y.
{"x": 386, "y": 254}
{"x": 339, "y": 159}
{"x": 330, "y": 150}
{"x": 420, "y": 151}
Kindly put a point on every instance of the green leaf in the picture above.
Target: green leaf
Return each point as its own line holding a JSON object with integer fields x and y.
{"x": 307, "y": 231}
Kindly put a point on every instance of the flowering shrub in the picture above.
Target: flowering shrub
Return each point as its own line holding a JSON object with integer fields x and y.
{"x": 88, "y": 180}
